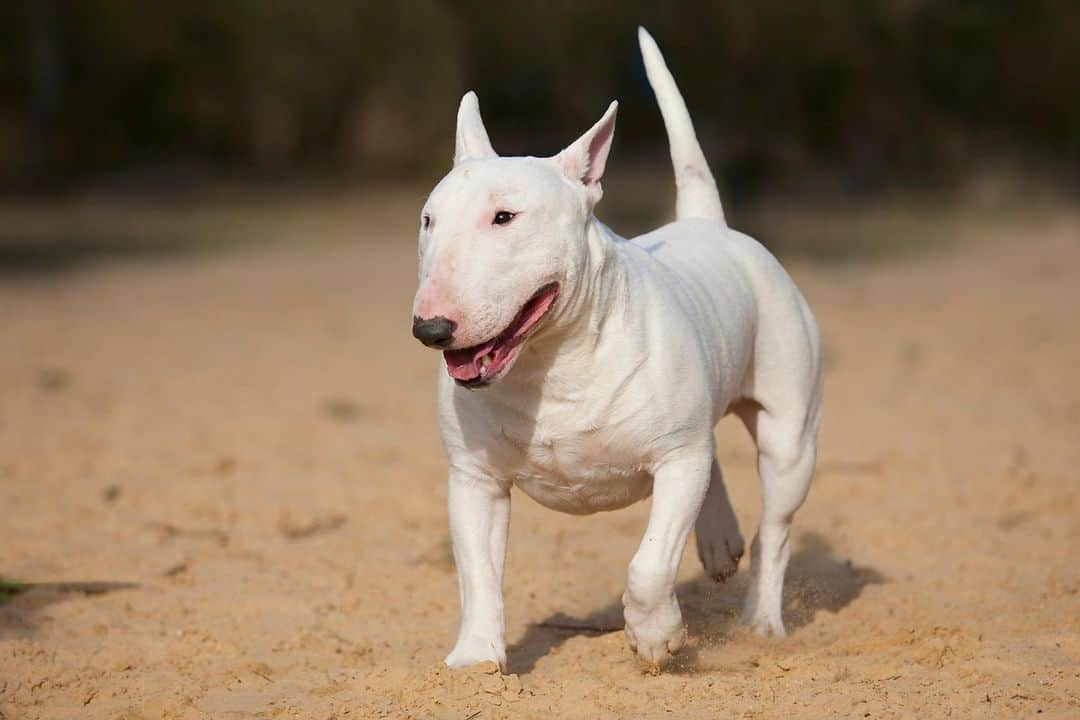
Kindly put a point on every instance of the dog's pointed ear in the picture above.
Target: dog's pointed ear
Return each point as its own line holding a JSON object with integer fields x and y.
{"x": 472, "y": 139}
{"x": 585, "y": 159}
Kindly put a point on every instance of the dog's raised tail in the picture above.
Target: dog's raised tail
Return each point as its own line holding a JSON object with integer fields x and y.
{"x": 696, "y": 195}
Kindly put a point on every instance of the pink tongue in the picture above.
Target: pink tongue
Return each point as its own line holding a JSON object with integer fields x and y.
{"x": 470, "y": 367}
{"x": 465, "y": 364}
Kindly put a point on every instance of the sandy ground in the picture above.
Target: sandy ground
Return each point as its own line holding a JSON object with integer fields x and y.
{"x": 223, "y": 489}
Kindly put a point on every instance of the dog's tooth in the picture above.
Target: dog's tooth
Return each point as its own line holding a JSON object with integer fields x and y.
{"x": 485, "y": 361}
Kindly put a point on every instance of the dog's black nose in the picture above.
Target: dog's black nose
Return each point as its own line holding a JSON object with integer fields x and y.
{"x": 436, "y": 332}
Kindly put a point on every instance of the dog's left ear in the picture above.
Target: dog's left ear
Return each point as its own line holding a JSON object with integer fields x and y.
{"x": 472, "y": 139}
{"x": 584, "y": 161}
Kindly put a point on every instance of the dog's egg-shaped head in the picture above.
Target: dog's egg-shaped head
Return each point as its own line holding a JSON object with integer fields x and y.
{"x": 500, "y": 240}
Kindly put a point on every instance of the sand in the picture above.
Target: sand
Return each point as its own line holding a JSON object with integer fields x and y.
{"x": 223, "y": 492}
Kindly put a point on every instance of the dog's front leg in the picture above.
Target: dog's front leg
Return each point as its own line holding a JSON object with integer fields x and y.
{"x": 654, "y": 623}
{"x": 479, "y": 519}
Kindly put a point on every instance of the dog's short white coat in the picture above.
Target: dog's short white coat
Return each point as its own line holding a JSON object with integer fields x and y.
{"x": 650, "y": 342}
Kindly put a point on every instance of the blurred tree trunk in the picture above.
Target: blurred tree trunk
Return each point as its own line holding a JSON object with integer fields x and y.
{"x": 45, "y": 65}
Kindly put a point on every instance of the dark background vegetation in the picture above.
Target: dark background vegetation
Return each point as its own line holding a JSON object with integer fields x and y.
{"x": 855, "y": 95}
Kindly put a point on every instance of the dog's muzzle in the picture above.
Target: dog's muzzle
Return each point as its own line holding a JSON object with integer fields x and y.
{"x": 438, "y": 332}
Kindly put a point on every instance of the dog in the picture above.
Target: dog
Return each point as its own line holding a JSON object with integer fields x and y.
{"x": 590, "y": 371}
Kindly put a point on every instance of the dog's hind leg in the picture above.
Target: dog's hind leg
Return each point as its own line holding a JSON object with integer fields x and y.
{"x": 787, "y": 449}
{"x": 720, "y": 545}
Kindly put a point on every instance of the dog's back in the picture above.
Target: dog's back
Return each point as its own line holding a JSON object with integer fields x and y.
{"x": 722, "y": 277}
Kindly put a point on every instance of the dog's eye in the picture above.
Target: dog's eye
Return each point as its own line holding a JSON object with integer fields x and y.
{"x": 426, "y": 221}
{"x": 502, "y": 217}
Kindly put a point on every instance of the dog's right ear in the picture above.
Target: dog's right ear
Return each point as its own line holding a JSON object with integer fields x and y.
{"x": 585, "y": 159}
{"x": 472, "y": 139}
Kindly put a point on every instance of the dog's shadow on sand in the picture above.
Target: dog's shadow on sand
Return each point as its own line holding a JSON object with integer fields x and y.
{"x": 22, "y": 604}
{"x": 816, "y": 580}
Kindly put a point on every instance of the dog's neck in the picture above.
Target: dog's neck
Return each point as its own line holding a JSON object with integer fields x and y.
{"x": 557, "y": 359}
{"x": 603, "y": 279}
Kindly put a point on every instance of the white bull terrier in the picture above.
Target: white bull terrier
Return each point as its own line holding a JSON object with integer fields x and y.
{"x": 590, "y": 370}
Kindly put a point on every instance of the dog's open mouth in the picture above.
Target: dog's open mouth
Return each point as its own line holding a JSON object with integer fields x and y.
{"x": 480, "y": 364}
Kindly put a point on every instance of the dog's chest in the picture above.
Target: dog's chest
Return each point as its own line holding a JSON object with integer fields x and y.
{"x": 574, "y": 466}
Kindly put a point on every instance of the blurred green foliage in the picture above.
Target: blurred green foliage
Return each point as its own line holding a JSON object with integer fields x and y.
{"x": 873, "y": 89}
{"x": 9, "y": 589}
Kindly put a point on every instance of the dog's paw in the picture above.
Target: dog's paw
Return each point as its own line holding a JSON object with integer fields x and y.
{"x": 720, "y": 546}
{"x": 762, "y": 622}
{"x": 656, "y": 633}
{"x": 472, "y": 651}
